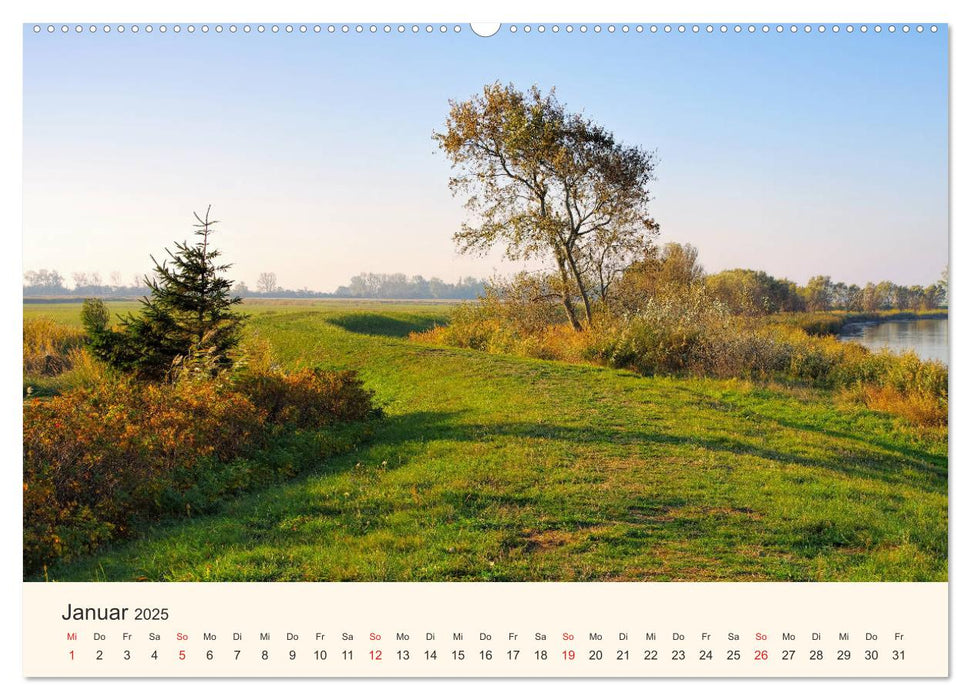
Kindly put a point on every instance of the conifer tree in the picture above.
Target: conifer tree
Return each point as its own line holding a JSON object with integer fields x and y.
{"x": 188, "y": 313}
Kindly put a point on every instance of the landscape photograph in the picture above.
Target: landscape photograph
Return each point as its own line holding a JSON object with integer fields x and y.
{"x": 564, "y": 303}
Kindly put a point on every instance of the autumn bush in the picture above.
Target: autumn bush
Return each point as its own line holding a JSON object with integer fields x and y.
{"x": 307, "y": 398}
{"x": 48, "y": 346}
{"x": 520, "y": 317}
{"x": 903, "y": 384}
{"x": 99, "y": 462}
{"x": 56, "y": 357}
{"x": 818, "y": 323}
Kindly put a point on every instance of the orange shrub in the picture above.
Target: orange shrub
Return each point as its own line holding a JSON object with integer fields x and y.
{"x": 308, "y": 398}
{"x": 919, "y": 408}
{"x": 48, "y": 345}
{"x": 100, "y": 461}
{"x": 97, "y": 460}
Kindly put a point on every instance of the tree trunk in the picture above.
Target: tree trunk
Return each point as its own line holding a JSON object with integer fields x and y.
{"x": 565, "y": 293}
{"x": 583, "y": 291}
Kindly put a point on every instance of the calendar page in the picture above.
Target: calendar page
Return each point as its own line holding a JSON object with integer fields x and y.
{"x": 547, "y": 349}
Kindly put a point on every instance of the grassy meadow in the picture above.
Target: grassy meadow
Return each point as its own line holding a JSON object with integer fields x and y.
{"x": 491, "y": 467}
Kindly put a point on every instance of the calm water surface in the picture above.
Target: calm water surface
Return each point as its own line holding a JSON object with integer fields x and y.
{"x": 926, "y": 337}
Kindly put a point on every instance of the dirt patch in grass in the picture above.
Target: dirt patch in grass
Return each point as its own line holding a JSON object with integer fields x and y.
{"x": 546, "y": 540}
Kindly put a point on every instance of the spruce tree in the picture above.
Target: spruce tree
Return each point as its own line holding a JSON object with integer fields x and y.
{"x": 188, "y": 313}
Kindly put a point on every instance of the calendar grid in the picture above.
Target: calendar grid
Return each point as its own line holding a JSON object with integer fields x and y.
{"x": 472, "y": 630}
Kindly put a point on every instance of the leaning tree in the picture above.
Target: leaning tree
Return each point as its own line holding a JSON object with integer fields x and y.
{"x": 549, "y": 184}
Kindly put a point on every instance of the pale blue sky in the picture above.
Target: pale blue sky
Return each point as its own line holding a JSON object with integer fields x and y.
{"x": 797, "y": 154}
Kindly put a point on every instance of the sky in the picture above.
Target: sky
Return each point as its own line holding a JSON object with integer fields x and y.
{"x": 795, "y": 153}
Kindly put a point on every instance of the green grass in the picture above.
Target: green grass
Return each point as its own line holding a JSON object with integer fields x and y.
{"x": 498, "y": 468}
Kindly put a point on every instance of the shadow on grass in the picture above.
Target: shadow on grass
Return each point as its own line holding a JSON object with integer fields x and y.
{"x": 895, "y": 454}
{"x": 884, "y": 467}
{"x": 389, "y": 326}
{"x": 274, "y": 517}
{"x": 399, "y": 441}
{"x": 887, "y": 465}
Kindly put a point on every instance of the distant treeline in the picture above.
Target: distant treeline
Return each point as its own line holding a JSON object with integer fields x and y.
{"x": 674, "y": 270}
{"x": 398, "y": 286}
{"x": 367, "y": 285}
{"x": 754, "y": 291}
{"x": 51, "y": 283}
{"x": 743, "y": 291}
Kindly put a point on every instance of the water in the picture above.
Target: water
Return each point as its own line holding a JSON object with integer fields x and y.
{"x": 926, "y": 337}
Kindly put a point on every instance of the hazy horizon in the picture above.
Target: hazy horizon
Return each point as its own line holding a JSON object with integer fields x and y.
{"x": 791, "y": 153}
{"x": 252, "y": 283}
